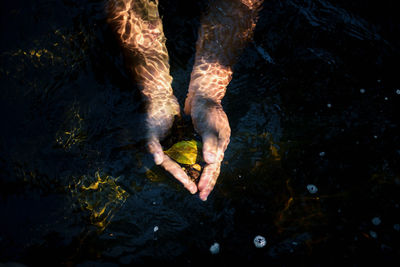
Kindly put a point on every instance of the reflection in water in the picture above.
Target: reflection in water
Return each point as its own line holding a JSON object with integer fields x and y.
{"x": 100, "y": 196}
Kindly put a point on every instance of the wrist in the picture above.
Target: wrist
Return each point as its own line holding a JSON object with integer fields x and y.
{"x": 163, "y": 104}
{"x": 209, "y": 81}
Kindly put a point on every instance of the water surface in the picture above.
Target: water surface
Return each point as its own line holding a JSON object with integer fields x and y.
{"x": 312, "y": 102}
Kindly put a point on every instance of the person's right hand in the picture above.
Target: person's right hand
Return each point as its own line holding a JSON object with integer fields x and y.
{"x": 159, "y": 119}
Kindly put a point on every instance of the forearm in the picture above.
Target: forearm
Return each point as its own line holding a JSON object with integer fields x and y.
{"x": 139, "y": 30}
{"x": 224, "y": 32}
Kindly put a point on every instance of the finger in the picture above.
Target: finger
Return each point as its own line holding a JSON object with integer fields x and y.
{"x": 208, "y": 179}
{"x": 155, "y": 148}
{"x": 222, "y": 145}
{"x": 210, "y": 144}
{"x": 175, "y": 170}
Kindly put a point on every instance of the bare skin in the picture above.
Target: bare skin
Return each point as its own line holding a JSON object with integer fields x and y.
{"x": 224, "y": 31}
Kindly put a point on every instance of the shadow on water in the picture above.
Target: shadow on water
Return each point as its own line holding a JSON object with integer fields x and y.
{"x": 313, "y": 163}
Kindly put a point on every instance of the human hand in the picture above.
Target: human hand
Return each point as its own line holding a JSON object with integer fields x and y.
{"x": 159, "y": 119}
{"x": 211, "y": 122}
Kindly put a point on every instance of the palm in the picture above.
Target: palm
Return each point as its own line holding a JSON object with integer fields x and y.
{"x": 159, "y": 120}
{"x": 211, "y": 122}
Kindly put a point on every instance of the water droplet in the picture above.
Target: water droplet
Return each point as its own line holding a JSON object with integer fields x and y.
{"x": 259, "y": 241}
{"x": 329, "y": 105}
{"x": 386, "y": 98}
{"x": 322, "y": 154}
{"x": 398, "y": 91}
{"x": 155, "y": 228}
{"x": 312, "y": 188}
{"x": 375, "y": 136}
{"x": 214, "y": 249}
{"x": 376, "y": 221}
{"x": 362, "y": 90}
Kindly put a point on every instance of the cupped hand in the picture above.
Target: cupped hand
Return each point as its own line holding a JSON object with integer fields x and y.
{"x": 211, "y": 122}
{"x": 159, "y": 119}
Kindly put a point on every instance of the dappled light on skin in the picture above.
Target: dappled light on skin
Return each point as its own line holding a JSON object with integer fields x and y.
{"x": 100, "y": 196}
{"x": 139, "y": 29}
{"x": 225, "y": 30}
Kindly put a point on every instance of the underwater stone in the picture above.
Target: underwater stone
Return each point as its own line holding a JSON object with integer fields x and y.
{"x": 312, "y": 188}
{"x": 376, "y": 221}
{"x": 259, "y": 241}
{"x": 214, "y": 249}
{"x": 373, "y": 234}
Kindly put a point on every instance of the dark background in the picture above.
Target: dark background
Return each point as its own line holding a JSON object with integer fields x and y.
{"x": 313, "y": 100}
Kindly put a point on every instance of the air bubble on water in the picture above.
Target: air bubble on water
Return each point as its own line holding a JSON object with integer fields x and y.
{"x": 386, "y": 98}
{"x": 214, "y": 249}
{"x": 398, "y": 91}
{"x": 259, "y": 241}
{"x": 155, "y": 229}
{"x": 294, "y": 243}
{"x": 396, "y": 227}
{"x": 362, "y": 90}
{"x": 329, "y": 105}
{"x": 312, "y": 188}
{"x": 322, "y": 154}
{"x": 375, "y": 136}
{"x": 376, "y": 221}
{"x": 373, "y": 234}
{"x": 378, "y": 81}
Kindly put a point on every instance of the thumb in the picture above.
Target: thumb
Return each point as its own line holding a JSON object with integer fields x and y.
{"x": 210, "y": 144}
{"x": 154, "y": 147}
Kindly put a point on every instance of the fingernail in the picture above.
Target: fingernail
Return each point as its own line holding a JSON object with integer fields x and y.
{"x": 193, "y": 189}
{"x": 203, "y": 196}
{"x": 158, "y": 158}
{"x": 209, "y": 157}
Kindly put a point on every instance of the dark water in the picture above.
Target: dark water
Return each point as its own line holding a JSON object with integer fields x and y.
{"x": 313, "y": 102}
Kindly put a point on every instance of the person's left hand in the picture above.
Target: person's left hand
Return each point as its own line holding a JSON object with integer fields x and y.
{"x": 211, "y": 122}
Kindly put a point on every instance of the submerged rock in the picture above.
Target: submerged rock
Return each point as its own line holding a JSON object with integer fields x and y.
{"x": 260, "y": 241}
{"x": 214, "y": 249}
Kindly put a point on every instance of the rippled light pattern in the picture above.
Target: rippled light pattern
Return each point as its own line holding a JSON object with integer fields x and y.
{"x": 100, "y": 196}
{"x": 224, "y": 31}
{"x": 139, "y": 30}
